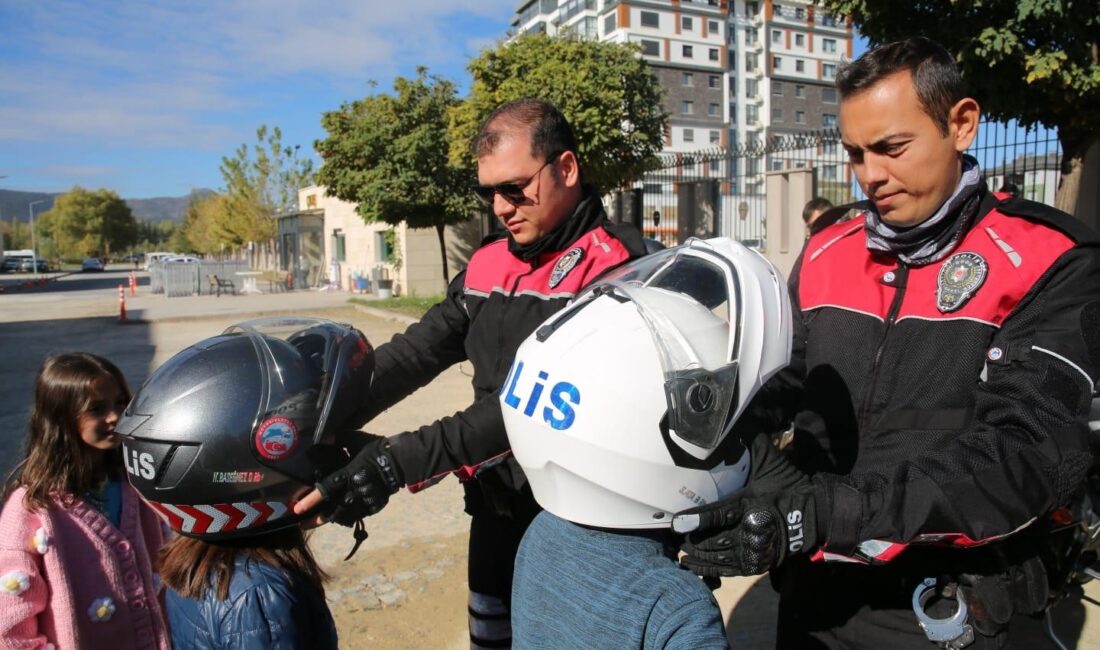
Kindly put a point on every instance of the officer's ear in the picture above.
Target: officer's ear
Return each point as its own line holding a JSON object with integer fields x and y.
{"x": 962, "y": 123}
{"x": 569, "y": 169}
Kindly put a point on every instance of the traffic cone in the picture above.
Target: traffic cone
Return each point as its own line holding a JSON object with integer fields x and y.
{"x": 121, "y": 304}
{"x": 133, "y": 284}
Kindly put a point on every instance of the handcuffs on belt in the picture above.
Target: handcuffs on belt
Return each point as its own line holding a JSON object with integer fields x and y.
{"x": 952, "y": 633}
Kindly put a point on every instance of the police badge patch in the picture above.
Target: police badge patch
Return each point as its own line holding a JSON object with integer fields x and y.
{"x": 565, "y": 264}
{"x": 960, "y": 278}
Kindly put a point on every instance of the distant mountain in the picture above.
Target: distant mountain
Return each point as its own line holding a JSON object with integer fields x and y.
{"x": 14, "y": 203}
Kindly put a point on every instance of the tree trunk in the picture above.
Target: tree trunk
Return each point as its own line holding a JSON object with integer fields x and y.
{"x": 439, "y": 228}
{"x": 1076, "y": 195}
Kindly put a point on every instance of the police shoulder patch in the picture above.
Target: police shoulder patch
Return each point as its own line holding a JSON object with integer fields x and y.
{"x": 564, "y": 265}
{"x": 959, "y": 279}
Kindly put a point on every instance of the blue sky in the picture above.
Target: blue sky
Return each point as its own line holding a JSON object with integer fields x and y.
{"x": 144, "y": 98}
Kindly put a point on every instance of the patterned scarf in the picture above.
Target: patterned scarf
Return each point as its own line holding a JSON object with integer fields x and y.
{"x": 932, "y": 239}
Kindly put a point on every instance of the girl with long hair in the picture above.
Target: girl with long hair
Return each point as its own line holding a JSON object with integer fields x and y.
{"x": 77, "y": 543}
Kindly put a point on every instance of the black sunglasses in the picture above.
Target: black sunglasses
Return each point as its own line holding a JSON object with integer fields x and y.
{"x": 511, "y": 192}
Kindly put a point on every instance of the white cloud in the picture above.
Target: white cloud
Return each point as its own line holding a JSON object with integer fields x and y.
{"x": 172, "y": 73}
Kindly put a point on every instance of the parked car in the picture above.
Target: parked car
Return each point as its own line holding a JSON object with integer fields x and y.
{"x": 182, "y": 259}
{"x": 11, "y": 264}
{"x": 92, "y": 264}
{"x": 26, "y": 265}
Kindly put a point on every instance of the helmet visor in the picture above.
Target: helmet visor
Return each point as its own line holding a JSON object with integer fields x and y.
{"x": 697, "y": 342}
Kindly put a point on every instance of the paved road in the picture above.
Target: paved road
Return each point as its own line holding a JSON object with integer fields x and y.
{"x": 405, "y": 588}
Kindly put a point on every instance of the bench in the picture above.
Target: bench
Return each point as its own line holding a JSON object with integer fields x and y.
{"x": 276, "y": 280}
{"x": 217, "y": 285}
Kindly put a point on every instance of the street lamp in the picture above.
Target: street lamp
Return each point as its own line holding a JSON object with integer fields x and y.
{"x": 34, "y": 249}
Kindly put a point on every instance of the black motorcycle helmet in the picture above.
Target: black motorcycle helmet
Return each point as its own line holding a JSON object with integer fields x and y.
{"x": 225, "y": 434}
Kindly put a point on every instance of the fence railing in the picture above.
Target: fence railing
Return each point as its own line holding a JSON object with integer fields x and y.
{"x": 176, "y": 279}
{"x": 721, "y": 191}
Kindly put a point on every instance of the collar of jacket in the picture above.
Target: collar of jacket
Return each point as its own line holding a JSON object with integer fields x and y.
{"x": 587, "y": 215}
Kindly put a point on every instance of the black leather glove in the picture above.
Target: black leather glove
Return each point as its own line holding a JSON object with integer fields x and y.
{"x": 994, "y": 598}
{"x": 756, "y": 529}
{"x": 363, "y": 486}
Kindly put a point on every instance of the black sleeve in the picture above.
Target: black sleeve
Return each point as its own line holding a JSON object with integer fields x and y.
{"x": 418, "y": 355}
{"x": 1027, "y": 450}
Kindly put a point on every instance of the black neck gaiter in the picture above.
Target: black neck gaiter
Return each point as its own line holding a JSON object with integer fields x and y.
{"x": 587, "y": 215}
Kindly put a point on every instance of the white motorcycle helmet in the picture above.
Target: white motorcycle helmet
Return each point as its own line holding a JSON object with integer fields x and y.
{"x": 618, "y": 406}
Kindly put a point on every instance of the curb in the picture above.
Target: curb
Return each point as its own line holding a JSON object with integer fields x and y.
{"x": 384, "y": 314}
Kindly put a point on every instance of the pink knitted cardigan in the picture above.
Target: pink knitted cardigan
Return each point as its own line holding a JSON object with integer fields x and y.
{"x": 71, "y": 580}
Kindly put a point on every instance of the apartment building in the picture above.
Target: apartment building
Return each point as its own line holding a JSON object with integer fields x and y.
{"x": 684, "y": 41}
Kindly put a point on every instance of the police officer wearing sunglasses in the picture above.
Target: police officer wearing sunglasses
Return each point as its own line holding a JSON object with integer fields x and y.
{"x": 556, "y": 238}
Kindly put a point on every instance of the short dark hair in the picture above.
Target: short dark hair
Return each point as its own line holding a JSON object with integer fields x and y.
{"x": 936, "y": 76}
{"x": 549, "y": 130}
{"x": 813, "y": 205}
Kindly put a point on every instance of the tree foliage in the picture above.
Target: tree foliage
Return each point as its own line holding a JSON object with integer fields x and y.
{"x": 1035, "y": 61}
{"x": 389, "y": 155}
{"x": 260, "y": 182}
{"x": 606, "y": 90}
{"x": 84, "y": 223}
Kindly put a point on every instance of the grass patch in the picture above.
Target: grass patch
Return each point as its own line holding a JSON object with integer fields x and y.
{"x": 415, "y": 306}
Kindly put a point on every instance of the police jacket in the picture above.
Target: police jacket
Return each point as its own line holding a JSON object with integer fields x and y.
{"x": 944, "y": 403}
{"x": 489, "y": 309}
{"x": 265, "y": 610}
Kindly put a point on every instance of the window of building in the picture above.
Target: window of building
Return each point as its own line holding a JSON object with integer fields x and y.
{"x": 751, "y": 36}
{"x": 751, "y": 88}
{"x": 777, "y": 114}
{"x": 382, "y": 239}
{"x": 828, "y": 45}
{"x": 687, "y": 51}
{"x": 750, "y": 63}
{"x": 752, "y": 9}
{"x": 777, "y": 10}
{"x": 828, "y": 120}
{"x": 713, "y": 27}
{"x": 689, "y": 135}
{"x": 686, "y": 23}
{"x": 777, "y": 63}
{"x": 714, "y": 110}
{"x": 651, "y": 188}
{"x": 715, "y": 137}
{"x": 775, "y": 164}
{"x": 828, "y": 20}
{"x": 828, "y": 172}
{"x": 800, "y": 13}
{"x": 714, "y": 81}
{"x": 777, "y": 36}
{"x": 339, "y": 245}
{"x": 650, "y": 19}
{"x": 800, "y": 117}
{"x": 752, "y": 114}
{"x": 777, "y": 88}
{"x": 713, "y": 54}
{"x": 651, "y": 48}
{"x": 609, "y": 23}
{"x": 733, "y": 113}
{"x": 799, "y": 90}
{"x": 828, "y": 95}
{"x": 687, "y": 79}
{"x": 799, "y": 65}
{"x": 830, "y": 147}
{"x": 715, "y": 165}
{"x": 687, "y": 107}
{"x": 800, "y": 40}
{"x": 828, "y": 70}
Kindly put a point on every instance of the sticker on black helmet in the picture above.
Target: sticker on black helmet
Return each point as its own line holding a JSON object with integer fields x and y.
{"x": 276, "y": 438}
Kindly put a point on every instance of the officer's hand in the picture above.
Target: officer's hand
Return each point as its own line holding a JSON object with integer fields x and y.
{"x": 756, "y": 529}
{"x": 359, "y": 489}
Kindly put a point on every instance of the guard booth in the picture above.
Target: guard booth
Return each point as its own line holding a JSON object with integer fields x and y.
{"x": 301, "y": 246}
{"x": 697, "y": 209}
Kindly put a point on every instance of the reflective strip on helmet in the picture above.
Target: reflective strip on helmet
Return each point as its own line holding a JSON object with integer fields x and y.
{"x": 212, "y": 518}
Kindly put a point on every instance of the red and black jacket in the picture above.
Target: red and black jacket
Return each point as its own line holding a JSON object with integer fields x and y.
{"x": 489, "y": 309}
{"x": 928, "y": 414}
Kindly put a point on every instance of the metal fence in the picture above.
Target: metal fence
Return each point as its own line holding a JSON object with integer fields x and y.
{"x": 175, "y": 279}
{"x": 721, "y": 192}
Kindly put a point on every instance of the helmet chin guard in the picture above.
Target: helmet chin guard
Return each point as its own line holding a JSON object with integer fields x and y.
{"x": 617, "y": 407}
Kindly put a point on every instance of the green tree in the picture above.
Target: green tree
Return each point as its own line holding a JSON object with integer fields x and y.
{"x": 259, "y": 183}
{"x": 388, "y": 154}
{"x": 201, "y": 228}
{"x": 606, "y": 91}
{"x": 1035, "y": 61}
{"x": 88, "y": 222}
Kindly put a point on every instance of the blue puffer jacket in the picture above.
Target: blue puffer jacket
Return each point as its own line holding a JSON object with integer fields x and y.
{"x": 265, "y": 610}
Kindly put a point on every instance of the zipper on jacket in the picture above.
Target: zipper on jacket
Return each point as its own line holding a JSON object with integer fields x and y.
{"x": 900, "y": 283}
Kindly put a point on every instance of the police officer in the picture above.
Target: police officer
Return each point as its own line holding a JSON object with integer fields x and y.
{"x": 942, "y": 371}
{"x": 556, "y": 239}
